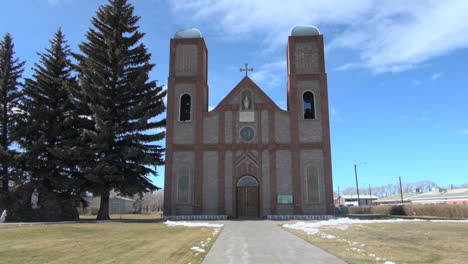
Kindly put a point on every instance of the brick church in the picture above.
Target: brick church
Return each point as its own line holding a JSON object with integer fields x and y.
{"x": 248, "y": 157}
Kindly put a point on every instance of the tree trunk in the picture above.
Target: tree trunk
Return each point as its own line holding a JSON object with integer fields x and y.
{"x": 4, "y": 192}
{"x": 103, "y": 213}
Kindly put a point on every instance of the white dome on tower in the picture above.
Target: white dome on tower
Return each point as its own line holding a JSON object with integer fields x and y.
{"x": 305, "y": 31}
{"x": 188, "y": 33}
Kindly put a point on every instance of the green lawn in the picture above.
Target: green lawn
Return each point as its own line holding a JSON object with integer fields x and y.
{"x": 102, "y": 243}
{"x": 410, "y": 242}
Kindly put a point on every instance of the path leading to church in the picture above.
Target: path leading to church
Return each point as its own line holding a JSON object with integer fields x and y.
{"x": 261, "y": 242}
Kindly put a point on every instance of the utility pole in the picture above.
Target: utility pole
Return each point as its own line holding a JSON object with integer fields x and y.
{"x": 338, "y": 190}
{"x": 401, "y": 190}
{"x": 357, "y": 186}
{"x": 370, "y": 192}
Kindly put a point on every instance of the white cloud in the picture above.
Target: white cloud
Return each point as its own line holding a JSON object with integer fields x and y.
{"x": 270, "y": 75}
{"x": 436, "y": 76}
{"x": 211, "y": 108}
{"x": 463, "y": 131}
{"x": 335, "y": 115}
{"x": 388, "y": 35}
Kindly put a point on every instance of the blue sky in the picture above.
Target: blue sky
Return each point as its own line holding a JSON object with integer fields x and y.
{"x": 397, "y": 70}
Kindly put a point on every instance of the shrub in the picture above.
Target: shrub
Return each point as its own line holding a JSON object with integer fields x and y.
{"x": 360, "y": 209}
{"x": 397, "y": 210}
{"x": 382, "y": 209}
{"x": 437, "y": 210}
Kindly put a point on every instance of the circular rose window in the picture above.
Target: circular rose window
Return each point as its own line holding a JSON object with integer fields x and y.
{"x": 247, "y": 133}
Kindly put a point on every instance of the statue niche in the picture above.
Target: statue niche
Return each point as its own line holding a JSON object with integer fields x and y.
{"x": 246, "y": 105}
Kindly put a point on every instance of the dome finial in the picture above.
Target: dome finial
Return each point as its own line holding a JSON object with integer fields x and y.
{"x": 305, "y": 31}
{"x": 188, "y": 33}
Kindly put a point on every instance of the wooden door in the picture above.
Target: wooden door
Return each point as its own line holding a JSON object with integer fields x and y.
{"x": 247, "y": 201}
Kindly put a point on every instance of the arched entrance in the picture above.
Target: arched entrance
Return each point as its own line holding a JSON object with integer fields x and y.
{"x": 247, "y": 197}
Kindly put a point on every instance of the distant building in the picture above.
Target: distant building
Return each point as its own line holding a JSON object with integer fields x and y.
{"x": 394, "y": 199}
{"x": 442, "y": 196}
{"x": 352, "y": 200}
{"x": 121, "y": 205}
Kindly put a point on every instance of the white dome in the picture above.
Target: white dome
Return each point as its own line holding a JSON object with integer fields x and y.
{"x": 188, "y": 33}
{"x": 305, "y": 31}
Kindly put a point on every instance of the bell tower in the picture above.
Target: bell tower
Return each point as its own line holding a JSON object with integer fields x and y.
{"x": 307, "y": 97}
{"x": 187, "y": 101}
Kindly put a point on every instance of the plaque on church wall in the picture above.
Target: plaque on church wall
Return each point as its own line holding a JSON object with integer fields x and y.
{"x": 247, "y": 116}
{"x": 285, "y": 199}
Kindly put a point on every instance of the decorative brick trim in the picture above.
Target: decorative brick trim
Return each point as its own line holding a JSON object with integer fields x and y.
{"x": 272, "y": 162}
{"x": 260, "y": 163}
{"x": 327, "y": 149}
{"x": 247, "y": 146}
{"x": 221, "y": 164}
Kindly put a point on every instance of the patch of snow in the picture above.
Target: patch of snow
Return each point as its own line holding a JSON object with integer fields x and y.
{"x": 215, "y": 232}
{"x": 198, "y": 249}
{"x": 328, "y": 236}
{"x": 449, "y": 221}
{"x": 357, "y": 249}
{"x": 191, "y": 224}
{"x": 372, "y": 255}
{"x": 378, "y": 259}
{"x": 343, "y": 223}
{"x": 389, "y": 262}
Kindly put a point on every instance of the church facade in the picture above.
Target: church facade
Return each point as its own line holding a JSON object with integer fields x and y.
{"x": 247, "y": 157}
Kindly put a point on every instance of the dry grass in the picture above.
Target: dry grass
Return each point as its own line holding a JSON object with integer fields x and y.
{"x": 125, "y": 216}
{"x": 101, "y": 243}
{"x": 417, "y": 242}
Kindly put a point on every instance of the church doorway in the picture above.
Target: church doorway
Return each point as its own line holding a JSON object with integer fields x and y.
{"x": 247, "y": 197}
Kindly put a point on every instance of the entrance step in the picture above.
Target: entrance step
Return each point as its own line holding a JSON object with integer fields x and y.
{"x": 300, "y": 217}
{"x": 194, "y": 217}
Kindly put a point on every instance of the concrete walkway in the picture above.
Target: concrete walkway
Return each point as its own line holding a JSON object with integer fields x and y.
{"x": 263, "y": 242}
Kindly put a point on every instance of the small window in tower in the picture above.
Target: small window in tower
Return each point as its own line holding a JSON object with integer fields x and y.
{"x": 309, "y": 105}
{"x": 185, "y": 107}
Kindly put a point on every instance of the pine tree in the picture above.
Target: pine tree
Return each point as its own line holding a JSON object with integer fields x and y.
{"x": 11, "y": 70}
{"x": 50, "y": 126}
{"x": 123, "y": 103}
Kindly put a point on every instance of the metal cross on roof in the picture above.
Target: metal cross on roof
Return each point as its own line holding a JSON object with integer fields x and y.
{"x": 246, "y": 69}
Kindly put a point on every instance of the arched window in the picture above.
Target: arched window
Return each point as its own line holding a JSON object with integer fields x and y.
{"x": 312, "y": 185}
{"x": 183, "y": 186}
{"x": 247, "y": 181}
{"x": 185, "y": 107}
{"x": 309, "y": 105}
